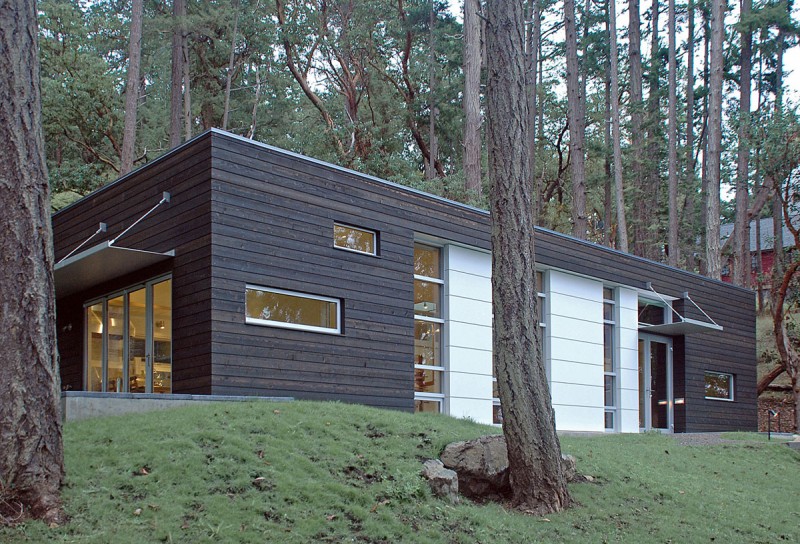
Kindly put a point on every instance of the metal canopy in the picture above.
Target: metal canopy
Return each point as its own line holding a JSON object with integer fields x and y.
{"x": 99, "y": 264}
{"x": 686, "y": 326}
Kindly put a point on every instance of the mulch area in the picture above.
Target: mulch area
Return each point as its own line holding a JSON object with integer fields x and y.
{"x": 784, "y": 421}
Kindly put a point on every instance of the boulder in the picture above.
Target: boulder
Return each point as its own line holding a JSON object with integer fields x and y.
{"x": 482, "y": 467}
{"x": 443, "y": 481}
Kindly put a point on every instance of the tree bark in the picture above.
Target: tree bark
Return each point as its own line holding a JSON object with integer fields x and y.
{"x": 31, "y": 455}
{"x": 741, "y": 236}
{"x": 616, "y": 137}
{"x": 472, "y": 95}
{"x": 176, "y": 90}
{"x": 672, "y": 153}
{"x": 187, "y": 89}
{"x": 229, "y": 73}
{"x": 433, "y": 143}
{"x": 714, "y": 139}
{"x": 132, "y": 88}
{"x": 534, "y": 34}
{"x": 534, "y": 452}
{"x": 576, "y": 124}
{"x": 689, "y": 180}
{"x": 704, "y": 142}
{"x": 637, "y": 129}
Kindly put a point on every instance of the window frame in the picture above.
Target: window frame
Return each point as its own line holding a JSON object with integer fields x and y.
{"x": 294, "y": 326}
{"x": 613, "y": 409}
{"x": 441, "y": 367}
{"x": 375, "y": 239}
{"x": 731, "y": 388}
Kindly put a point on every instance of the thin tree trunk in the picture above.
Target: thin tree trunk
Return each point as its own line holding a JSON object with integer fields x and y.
{"x": 741, "y": 238}
{"x": 176, "y": 90}
{"x": 132, "y": 88}
{"x": 534, "y": 453}
{"x": 616, "y": 137}
{"x": 187, "y": 90}
{"x": 576, "y": 124}
{"x": 472, "y": 95}
{"x": 759, "y": 268}
{"x": 254, "y": 117}
{"x": 715, "y": 139}
{"x": 672, "y": 154}
{"x": 608, "y": 158}
{"x": 31, "y": 450}
{"x": 639, "y": 229}
{"x": 650, "y": 204}
{"x": 689, "y": 180}
{"x": 534, "y": 33}
{"x": 433, "y": 142}
{"x": 704, "y": 143}
{"x": 231, "y": 59}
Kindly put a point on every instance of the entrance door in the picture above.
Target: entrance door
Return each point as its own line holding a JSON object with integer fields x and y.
{"x": 655, "y": 383}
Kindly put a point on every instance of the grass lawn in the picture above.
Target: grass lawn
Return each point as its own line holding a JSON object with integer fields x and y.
{"x": 327, "y": 472}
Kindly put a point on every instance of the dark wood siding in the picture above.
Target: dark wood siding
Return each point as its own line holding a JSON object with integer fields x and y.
{"x": 183, "y": 225}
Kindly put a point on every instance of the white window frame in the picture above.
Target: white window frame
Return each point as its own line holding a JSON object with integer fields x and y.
{"x": 295, "y": 326}
{"x": 374, "y": 233}
{"x": 613, "y": 373}
{"x": 423, "y": 395}
{"x": 732, "y": 385}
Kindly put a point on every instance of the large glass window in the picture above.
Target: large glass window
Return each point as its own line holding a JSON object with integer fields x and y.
{"x": 497, "y": 412}
{"x": 355, "y": 239}
{"x": 287, "y": 309}
{"x": 719, "y": 386}
{"x": 652, "y": 313}
{"x": 129, "y": 340}
{"x": 428, "y": 325}
{"x": 609, "y": 358}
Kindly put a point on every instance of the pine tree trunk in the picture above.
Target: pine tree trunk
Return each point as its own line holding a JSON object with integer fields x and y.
{"x": 639, "y": 229}
{"x": 672, "y": 153}
{"x": 132, "y": 88}
{"x": 704, "y": 143}
{"x": 576, "y": 124}
{"x": 472, "y": 95}
{"x": 741, "y": 236}
{"x": 651, "y": 202}
{"x": 616, "y": 136}
{"x": 229, "y": 74}
{"x": 689, "y": 179}
{"x": 534, "y": 452}
{"x": 433, "y": 142}
{"x": 714, "y": 139}
{"x": 176, "y": 91}
{"x": 31, "y": 452}
{"x": 187, "y": 90}
{"x": 608, "y": 158}
{"x": 534, "y": 33}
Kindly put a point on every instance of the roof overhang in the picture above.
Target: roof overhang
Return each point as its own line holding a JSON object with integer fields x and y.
{"x": 99, "y": 264}
{"x": 686, "y": 326}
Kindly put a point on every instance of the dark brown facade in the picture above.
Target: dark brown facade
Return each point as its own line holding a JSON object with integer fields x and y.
{"x": 242, "y": 213}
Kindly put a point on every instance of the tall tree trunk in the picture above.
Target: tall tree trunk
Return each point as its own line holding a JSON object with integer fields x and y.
{"x": 533, "y": 33}
{"x": 759, "y": 268}
{"x": 576, "y": 124}
{"x": 608, "y": 158}
{"x": 187, "y": 89}
{"x": 472, "y": 95}
{"x": 639, "y": 229}
{"x": 715, "y": 138}
{"x": 650, "y": 204}
{"x": 433, "y": 142}
{"x": 176, "y": 90}
{"x": 132, "y": 88}
{"x": 622, "y": 225}
{"x": 31, "y": 455}
{"x": 534, "y": 453}
{"x": 689, "y": 179}
{"x": 741, "y": 236}
{"x": 672, "y": 154}
{"x": 231, "y": 59}
{"x": 704, "y": 141}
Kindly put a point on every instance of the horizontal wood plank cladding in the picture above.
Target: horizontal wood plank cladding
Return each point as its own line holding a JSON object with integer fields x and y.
{"x": 183, "y": 225}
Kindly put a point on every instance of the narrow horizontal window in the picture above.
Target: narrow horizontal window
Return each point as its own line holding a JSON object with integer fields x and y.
{"x": 287, "y": 309}
{"x": 719, "y": 386}
{"x": 355, "y": 239}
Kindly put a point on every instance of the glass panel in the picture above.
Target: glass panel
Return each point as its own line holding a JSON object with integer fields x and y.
{"x": 642, "y": 387}
{"x": 608, "y": 311}
{"x": 659, "y": 397}
{"x": 427, "y": 343}
{"x": 116, "y": 330}
{"x": 162, "y": 337}
{"x": 608, "y": 293}
{"x": 609, "y": 391}
{"x": 427, "y": 381}
{"x": 426, "y": 298}
{"x": 495, "y": 393}
{"x": 354, "y": 238}
{"x": 280, "y": 307}
{"x": 137, "y": 369}
{"x": 719, "y": 385}
{"x": 427, "y": 261}
{"x": 94, "y": 347}
{"x": 539, "y": 282}
{"x": 609, "y": 424}
{"x": 431, "y": 406}
{"x": 497, "y": 414}
{"x": 608, "y": 348}
{"x": 651, "y": 314}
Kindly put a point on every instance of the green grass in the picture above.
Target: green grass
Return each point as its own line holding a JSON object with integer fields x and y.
{"x": 326, "y": 472}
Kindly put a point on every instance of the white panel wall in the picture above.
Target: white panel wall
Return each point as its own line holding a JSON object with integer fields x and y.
{"x": 575, "y": 329}
{"x": 628, "y": 327}
{"x": 468, "y": 333}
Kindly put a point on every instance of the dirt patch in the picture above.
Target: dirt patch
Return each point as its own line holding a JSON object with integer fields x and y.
{"x": 784, "y": 421}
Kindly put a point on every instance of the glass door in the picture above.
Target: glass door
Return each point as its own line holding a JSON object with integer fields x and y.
{"x": 128, "y": 344}
{"x": 655, "y": 383}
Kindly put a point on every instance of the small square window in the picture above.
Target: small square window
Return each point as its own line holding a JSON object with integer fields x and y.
{"x": 355, "y": 239}
{"x": 719, "y": 386}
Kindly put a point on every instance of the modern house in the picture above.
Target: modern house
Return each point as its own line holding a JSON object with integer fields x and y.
{"x": 229, "y": 267}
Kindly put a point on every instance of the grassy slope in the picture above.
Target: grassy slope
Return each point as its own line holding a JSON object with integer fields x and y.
{"x": 339, "y": 473}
